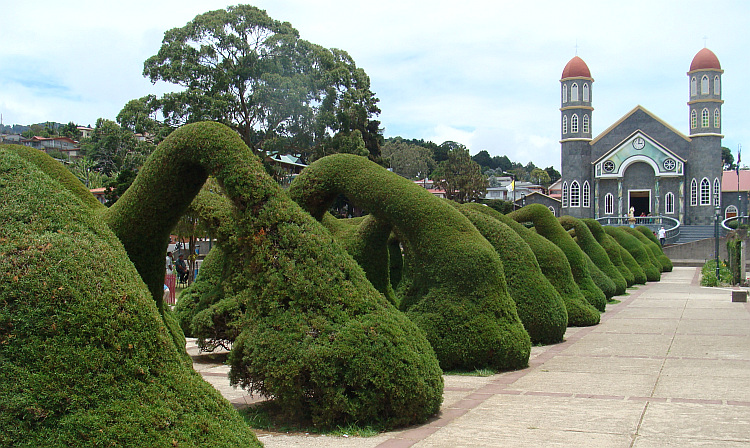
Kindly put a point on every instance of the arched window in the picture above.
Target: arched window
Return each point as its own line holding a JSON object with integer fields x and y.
{"x": 574, "y": 124}
{"x": 669, "y": 203}
{"x": 704, "y": 85}
{"x": 609, "y": 204}
{"x": 705, "y": 118}
{"x": 552, "y": 209}
{"x": 717, "y": 85}
{"x": 693, "y": 119}
{"x": 717, "y": 118}
{"x": 565, "y": 194}
{"x": 565, "y": 124}
{"x": 575, "y": 194}
{"x": 693, "y": 86}
{"x": 693, "y": 192}
{"x": 705, "y": 192}
{"x": 585, "y": 92}
{"x": 730, "y": 212}
{"x": 565, "y": 93}
{"x": 574, "y": 92}
{"x": 717, "y": 192}
{"x": 586, "y": 194}
{"x": 586, "y": 124}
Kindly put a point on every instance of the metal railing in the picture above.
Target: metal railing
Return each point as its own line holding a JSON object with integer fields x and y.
{"x": 671, "y": 225}
{"x": 733, "y": 218}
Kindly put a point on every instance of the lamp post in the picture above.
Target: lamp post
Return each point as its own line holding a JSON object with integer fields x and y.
{"x": 716, "y": 240}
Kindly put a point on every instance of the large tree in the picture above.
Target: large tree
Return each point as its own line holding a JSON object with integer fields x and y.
{"x": 408, "y": 159}
{"x": 462, "y": 178}
{"x": 282, "y": 94}
{"x": 115, "y": 149}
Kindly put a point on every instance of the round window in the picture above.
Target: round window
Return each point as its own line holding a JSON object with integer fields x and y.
{"x": 670, "y": 164}
{"x": 608, "y": 166}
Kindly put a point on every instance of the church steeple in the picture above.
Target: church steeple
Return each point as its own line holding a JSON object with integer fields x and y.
{"x": 576, "y": 111}
{"x": 705, "y": 94}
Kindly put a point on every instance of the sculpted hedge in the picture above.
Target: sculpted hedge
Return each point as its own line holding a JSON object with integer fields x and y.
{"x": 632, "y": 245}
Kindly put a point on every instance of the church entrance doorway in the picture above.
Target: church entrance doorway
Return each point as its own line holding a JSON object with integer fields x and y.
{"x": 640, "y": 200}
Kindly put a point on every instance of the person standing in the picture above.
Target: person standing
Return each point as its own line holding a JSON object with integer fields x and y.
{"x": 662, "y": 236}
{"x": 169, "y": 263}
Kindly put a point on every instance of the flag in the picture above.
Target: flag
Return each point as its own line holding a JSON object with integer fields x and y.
{"x": 739, "y": 158}
{"x": 512, "y": 185}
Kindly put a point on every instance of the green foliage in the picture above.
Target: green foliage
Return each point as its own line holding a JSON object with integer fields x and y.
{"x": 408, "y": 159}
{"x": 632, "y": 245}
{"x": 555, "y": 268}
{"x": 708, "y": 274}
{"x": 313, "y": 332}
{"x": 139, "y": 117}
{"x": 549, "y": 227}
{"x": 612, "y": 249}
{"x": 540, "y": 307}
{"x": 243, "y": 68}
{"x": 456, "y": 291}
{"x": 656, "y": 248}
{"x": 115, "y": 149}
{"x": 650, "y": 248}
{"x": 639, "y": 275}
{"x": 462, "y": 178}
{"x": 601, "y": 260}
{"x": 499, "y": 205}
{"x": 734, "y": 251}
{"x": 85, "y": 357}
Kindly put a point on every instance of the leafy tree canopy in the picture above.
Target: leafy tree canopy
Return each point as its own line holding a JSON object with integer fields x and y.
{"x": 282, "y": 94}
{"x": 115, "y": 149}
{"x": 462, "y": 178}
{"x": 554, "y": 175}
{"x": 139, "y": 117}
{"x": 727, "y": 159}
{"x": 408, "y": 159}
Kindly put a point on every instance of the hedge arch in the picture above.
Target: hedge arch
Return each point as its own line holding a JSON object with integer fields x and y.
{"x": 87, "y": 358}
{"x": 540, "y": 307}
{"x": 549, "y": 227}
{"x": 646, "y": 245}
{"x": 638, "y": 273}
{"x": 315, "y": 334}
{"x": 612, "y": 249}
{"x": 591, "y": 247}
{"x": 456, "y": 293}
{"x": 656, "y": 248}
{"x": 554, "y": 266}
{"x": 633, "y": 246}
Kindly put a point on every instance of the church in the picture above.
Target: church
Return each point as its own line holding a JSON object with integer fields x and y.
{"x": 640, "y": 161}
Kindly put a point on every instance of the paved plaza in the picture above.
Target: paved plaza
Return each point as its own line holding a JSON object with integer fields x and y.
{"x": 668, "y": 366}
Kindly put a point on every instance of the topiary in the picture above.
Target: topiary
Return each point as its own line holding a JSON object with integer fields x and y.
{"x": 456, "y": 291}
{"x": 85, "y": 357}
{"x": 591, "y": 247}
{"x": 549, "y": 227}
{"x": 656, "y": 248}
{"x": 646, "y": 246}
{"x": 555, "y": 268}
{"x": 612, "y": 249}
{"x": 635, "y": 248}
{"x": 540, "y": 307}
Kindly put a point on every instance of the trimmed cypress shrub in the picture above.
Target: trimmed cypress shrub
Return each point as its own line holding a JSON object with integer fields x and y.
{"x": 555, "y": 267}
{"x": 638, "y": 273}
{"x": 540, "y": 307}
{"x": 646, "y": 245}
{"x": 612, "y": 249}
{"x": 85, "y": 358}
{"x": 633, "y": 246}
{"x": 456, "y": 290}
{"x": 549, "y": 227}
{"x": 596, "y": 253}
{"x": 656, "y": 248}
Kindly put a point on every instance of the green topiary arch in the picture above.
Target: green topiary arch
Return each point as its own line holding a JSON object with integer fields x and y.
{"x": 632, "y": 245}
{"x": 656, "y": 249}
{"x": 457, "y": 292}
{"x": 549, "y": 227}
{"x": 612, "y": 248}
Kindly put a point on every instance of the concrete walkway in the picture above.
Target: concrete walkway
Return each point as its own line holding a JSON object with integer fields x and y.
{"x": 669, "y": 366}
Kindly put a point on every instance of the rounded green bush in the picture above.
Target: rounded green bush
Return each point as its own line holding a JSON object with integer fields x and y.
{"x": 612, "y": 249}
{"x": 555, "y": 267}
{"x": 591, "y": 247}
{"x": 656, "y": 248}
{"x": 646, "y": 246}
{"x": 635, "y": 248}
{"x": 85, "y": 357}
{"x": 456, "y": 290}
{"x": 549, "y": 227}
{"x": 540, "y": 307}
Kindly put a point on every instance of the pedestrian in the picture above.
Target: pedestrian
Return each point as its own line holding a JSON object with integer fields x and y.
{"x": 182, "y": 269}
{"x": 662, "y": 236}
{"x": 169, "y": 263}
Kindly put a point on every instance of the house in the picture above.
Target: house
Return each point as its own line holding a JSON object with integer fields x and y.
{"x": 430, "y": 186}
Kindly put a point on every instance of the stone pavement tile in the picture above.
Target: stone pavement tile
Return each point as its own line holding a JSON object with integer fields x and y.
{"x": 634, "y": 312}
{"x": 736, "y": 312}
{"x": 696, "y": 421}
{"x": 522, "y": 438}
{"x": 723, "y": 368}
{"x": 628, "y": 325}
{"x": 613, "y": 365}
{"x": 737, "y": 327}
{"x": 658, "y": 301}
{"x": 711, "y": 346}
{"x": 587, "y": 383}
{"x": 701, "y": 388}
{"x": 670, "y": 442}
{"x": 315, "y": 441}
{"x": 607, "y": 344}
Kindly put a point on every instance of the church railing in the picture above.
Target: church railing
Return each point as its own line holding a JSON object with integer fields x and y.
{"x": 726, "y": 223}
{"x": 671, "y": 225}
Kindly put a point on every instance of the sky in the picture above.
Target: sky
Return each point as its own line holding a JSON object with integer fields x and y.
{"x": 484, "y": 74}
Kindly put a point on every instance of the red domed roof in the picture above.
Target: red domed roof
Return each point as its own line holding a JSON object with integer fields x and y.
{"x": 704, "y": 60}
{"x": 576, "y": 68}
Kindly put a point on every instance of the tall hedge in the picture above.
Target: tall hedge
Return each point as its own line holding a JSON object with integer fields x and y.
{"x": 555, "y": 268}
{"x": 650, "y": 251}
{"x": 591, "y": 247}
{"x": 656, "y": 248}
{"x": 456, "y": 293}
{"x": 85, "y": 357}
{"x": 549, "y": 227}
{"x": 540, "y": 307}
{"x": 612, "y": 249}
{"x": 633, "y": 246}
